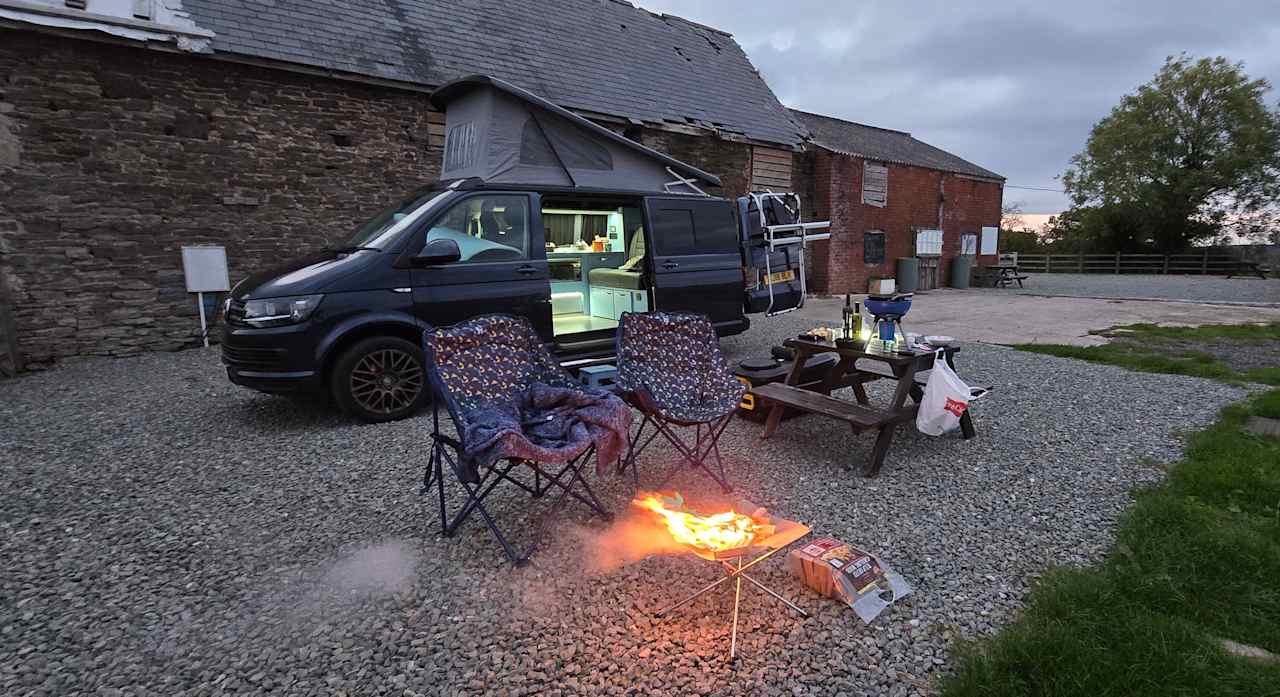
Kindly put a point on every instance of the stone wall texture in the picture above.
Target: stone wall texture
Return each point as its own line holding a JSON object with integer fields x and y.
{"x": 835, "y": 190}
{"x": 124, "y": 155}
{"x": 114, "y": 157}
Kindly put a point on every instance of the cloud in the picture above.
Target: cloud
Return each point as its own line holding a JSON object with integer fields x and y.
{"x": 1013, "y": 85}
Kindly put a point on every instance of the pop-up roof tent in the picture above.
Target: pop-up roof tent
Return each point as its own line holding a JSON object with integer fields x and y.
{"x": 502, "y": 134}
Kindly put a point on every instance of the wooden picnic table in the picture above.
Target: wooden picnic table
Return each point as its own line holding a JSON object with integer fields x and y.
{"x": 1005, "y": 275}
{"x": 1243, "y": 267}
{"x": 856, "y": 367}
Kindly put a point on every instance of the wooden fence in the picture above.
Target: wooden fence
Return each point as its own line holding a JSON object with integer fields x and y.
{"x": 1207, "y": 262}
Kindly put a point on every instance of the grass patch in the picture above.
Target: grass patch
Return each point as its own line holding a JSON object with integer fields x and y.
{"x": 1196, "y": 559}
{"x": 1201, "y": 365}
{"x": 1266, "y": 376}
{"x": 1253, "y": 333}
{"x": 1268, "y": 405}
{"x": 1153, "y": 349}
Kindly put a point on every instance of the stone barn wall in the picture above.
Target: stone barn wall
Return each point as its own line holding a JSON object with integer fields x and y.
{"x": 113, "y": 157}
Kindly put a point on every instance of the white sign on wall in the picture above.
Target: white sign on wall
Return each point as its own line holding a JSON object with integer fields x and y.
{"x": 990, "y": 239}
{"x": 205, "y": 269}
{"x": 929, "y": 243}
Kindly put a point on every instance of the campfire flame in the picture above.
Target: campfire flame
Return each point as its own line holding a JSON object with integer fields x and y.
{"x": 713, "y": 533}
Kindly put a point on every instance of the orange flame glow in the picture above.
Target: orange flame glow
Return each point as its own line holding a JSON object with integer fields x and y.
{"x": 713, "y": 533}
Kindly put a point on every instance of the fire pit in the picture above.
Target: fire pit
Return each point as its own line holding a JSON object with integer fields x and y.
{"x": 728, "y": 538}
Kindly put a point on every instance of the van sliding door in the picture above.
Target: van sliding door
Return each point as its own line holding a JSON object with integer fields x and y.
{"x": 697, "y": 265}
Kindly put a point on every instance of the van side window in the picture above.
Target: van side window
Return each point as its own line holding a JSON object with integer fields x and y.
{"x": 486, "y": 228}
{"x": 673, "y": 232}
{"x": 716, "y": 227}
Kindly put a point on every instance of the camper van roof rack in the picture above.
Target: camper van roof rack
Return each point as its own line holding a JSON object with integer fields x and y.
{"x": 785, "y": 234}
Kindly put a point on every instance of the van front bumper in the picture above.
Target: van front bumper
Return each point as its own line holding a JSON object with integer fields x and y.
{"x": 276, "y": 360}
{"x": 275, "y": 383}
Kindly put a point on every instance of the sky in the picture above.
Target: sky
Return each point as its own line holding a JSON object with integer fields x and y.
{"x": 1012, "y": 85}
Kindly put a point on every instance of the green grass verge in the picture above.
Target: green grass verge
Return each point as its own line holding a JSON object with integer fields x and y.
{"x": 1154, "y": 349}
{"x": 1197, "y": 558}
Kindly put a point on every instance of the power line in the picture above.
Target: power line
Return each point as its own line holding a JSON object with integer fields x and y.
{"x": 1034, "y": 188}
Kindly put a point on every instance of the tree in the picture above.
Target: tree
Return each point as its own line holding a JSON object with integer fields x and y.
{"x": 1193, "y": 154}
{"x": 1015, "y": 235}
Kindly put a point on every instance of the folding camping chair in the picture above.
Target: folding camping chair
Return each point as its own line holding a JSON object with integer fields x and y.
{"x": 670, "y": 368}
{"x": 481, "y": 363}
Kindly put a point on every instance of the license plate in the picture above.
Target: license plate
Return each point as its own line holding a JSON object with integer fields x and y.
{"x": 780, "y": 277}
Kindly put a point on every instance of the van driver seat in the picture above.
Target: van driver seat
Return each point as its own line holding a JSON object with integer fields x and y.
{"x": 630, "y": 275}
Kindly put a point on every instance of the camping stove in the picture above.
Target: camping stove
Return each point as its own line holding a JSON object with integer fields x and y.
{"x": 730, "y": 540}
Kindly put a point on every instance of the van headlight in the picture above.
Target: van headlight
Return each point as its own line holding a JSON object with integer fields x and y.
{"x": 276, "y": 312}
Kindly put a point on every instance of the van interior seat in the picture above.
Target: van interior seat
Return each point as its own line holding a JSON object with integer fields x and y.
{"x": 630, "y": 275}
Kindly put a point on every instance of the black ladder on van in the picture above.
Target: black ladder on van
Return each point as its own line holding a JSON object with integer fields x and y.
{"x": 774, "y": 236}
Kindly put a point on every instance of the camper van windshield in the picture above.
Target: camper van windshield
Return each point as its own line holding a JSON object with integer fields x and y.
{"x": 384, "y": 227}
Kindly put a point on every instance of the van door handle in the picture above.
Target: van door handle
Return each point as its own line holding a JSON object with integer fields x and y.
{"x": 670, "y": 265}
{"x": 527, "y": 269}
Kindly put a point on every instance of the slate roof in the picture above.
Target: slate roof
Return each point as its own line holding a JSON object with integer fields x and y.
{"x": 884, "y": 145}
{"x": 605, "y": 57}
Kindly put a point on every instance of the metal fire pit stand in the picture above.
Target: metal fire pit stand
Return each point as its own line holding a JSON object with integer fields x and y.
{"x": 787, "y": 535}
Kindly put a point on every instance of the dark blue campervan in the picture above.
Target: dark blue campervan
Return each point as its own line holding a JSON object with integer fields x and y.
{"x": 539, "y": 213}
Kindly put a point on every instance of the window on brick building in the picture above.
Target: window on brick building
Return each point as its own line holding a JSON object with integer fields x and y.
{"x": 873, "y": 247}
{"x": 969, "y": 244}
{"x": 875, "y": 184}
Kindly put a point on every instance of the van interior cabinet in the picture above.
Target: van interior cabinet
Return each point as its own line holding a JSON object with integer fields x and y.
{"x": 610, "y": 303}
{"x": 602, "y": 303}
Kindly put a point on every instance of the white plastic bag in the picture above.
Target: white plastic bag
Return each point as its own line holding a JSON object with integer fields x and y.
{"x": 946, "y": 397}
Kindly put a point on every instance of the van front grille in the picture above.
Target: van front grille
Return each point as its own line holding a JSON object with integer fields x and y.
{"x": 253, "y": 358}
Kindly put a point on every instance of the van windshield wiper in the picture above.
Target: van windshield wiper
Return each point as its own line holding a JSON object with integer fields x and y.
{"x": 349, "y": 250}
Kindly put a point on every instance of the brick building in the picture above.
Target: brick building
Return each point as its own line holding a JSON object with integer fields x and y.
{"x": 889, "y": 195}
{"x": 131, "y": 128}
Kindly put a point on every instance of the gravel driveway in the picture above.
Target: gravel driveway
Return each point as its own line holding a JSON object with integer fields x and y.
{"x": 167, "y": 533}
{"x": 1205, "y": 289}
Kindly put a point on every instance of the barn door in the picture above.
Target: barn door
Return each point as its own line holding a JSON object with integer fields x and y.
{"x": 928, "y": 252}
{"x": 928, "y": 273}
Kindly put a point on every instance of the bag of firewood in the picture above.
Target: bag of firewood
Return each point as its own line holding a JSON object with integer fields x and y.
{"x": 843, "y": 572}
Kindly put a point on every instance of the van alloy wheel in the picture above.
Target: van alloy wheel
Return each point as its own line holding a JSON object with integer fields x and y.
{"x": 386, "y": 381}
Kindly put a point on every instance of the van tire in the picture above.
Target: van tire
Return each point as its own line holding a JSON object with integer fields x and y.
{"x": 382, "y": 378}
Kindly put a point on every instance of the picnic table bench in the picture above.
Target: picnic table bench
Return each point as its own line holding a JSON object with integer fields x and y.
{"x": 855, "y": 367}
{"x": 1243, "y": 267}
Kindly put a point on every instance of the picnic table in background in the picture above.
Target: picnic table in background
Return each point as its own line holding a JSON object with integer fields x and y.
{"x": 1244, "y": 267}
{"x": 1005, "y": 273}
{"x": 856, "y": 367}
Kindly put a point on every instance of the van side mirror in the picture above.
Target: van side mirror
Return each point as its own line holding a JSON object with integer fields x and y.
{"x": 437, "y": 252}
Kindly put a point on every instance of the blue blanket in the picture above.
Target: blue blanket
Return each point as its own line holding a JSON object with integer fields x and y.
{"x": 548, "y": 424}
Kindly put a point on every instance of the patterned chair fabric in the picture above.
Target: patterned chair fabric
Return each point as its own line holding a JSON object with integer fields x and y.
{"x": 485, "y": 361}
{"x": 675, "y": 358}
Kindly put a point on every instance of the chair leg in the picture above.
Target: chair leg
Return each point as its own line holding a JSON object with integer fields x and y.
{"x": 475, "y": 504}
{"x": 633, "y": 450}
{"x": 696, "y": 457}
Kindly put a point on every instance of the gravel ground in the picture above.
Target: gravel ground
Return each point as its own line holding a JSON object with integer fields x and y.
{"x": 165, "y": 532}
{"x": 1207, "y": 289}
